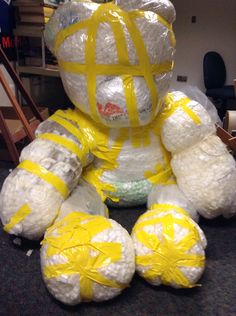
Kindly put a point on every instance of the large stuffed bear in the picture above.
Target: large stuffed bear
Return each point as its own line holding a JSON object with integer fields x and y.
{"x": 127, "y": 142}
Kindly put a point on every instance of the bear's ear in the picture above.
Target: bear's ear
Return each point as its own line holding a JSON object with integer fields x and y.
{"x": 162, "y": 7}
{"x": 53, "y": 27}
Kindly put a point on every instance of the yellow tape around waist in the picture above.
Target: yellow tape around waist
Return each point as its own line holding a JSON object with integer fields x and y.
{"x": 73, "y": 240}
{"x": 45, "y": 175}
{"x": 18, "y": 217}
{"x": 166, "y": 256}
{"x": 68, "y": 144}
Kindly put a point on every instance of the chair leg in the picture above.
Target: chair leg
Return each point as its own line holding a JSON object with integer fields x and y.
{"x": 9, "y": 140}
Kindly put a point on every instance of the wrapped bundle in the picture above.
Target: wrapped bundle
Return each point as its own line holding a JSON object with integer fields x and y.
{"x": 110, "y": 60}
{"x": 86, "y": 258}
{"x": 169, "y": 247}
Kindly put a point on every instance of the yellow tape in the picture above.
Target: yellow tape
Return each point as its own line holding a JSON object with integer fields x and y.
{"x": 68, "y": 126}
{"x": 18, "y": 217}
{"x": 45, "y": 175}
{"x": 166, "y": 257}
{"x": 160, "y": 176}
{"x": 68, "y": 31}
{"x": 72, "y": 239}
{"x": 114, "y": 70}
{"x": 165, "y": 208}
{"x": 171, "y": 107}
{"x": 68, "y": 144}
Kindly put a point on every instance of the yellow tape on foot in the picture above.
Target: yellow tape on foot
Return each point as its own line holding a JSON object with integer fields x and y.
{"x": 166, "y": 257}
{"x": 73, "y": 240}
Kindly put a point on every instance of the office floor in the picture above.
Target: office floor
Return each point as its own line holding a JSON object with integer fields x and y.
{"x": 22, "y": 291}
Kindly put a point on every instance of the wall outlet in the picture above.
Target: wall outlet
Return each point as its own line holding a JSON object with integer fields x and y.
{"x": 182, "y": 78}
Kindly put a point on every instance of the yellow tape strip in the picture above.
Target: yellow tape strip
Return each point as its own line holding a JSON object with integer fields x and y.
{"x": 143, "y": 58}
{"x": 68, "y": 31}
{"x": 18, "y": 217}
{"x": 161, "y": 175}
{"x": 166, "y": 256}
{"x": 68, "y": 126}
{"x": 165, "y": 208}
{"x": 72, "y": 238}
{"x": 114, "y": 70}
{"x": 68, "y": 144}
{"x": 45, "y": 175}
{"x": 172, "y": 106}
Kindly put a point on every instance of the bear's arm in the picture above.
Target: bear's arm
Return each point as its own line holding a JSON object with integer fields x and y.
{"x": 49, "y": 169}
{"x": 204, "y": 169}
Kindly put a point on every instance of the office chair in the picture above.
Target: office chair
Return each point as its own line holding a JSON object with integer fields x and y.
{"x": 214, "y": 72}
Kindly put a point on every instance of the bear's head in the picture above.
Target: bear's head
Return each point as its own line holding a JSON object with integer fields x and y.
{"x": 115, "y": 58}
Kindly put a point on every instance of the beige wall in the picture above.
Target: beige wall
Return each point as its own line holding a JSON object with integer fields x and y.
{"x": 215, "y": 30}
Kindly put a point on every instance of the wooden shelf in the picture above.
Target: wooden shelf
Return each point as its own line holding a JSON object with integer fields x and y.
{"x": 28, "y": 31}
{"x": 51, "y": 72}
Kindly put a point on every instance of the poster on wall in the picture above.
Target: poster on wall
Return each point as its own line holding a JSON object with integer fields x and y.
{"x": 7, "y": 40}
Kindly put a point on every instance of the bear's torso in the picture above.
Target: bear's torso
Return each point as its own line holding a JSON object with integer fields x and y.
{"x": 126, "y": 161}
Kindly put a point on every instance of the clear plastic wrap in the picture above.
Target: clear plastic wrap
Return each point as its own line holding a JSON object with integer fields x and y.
{"x": 197, "y": 95}
{"x": 172, "y": 195}
{"x": 115, "y": 64}
{"x": 180, "y": 130}
{"x": 206, "y": 173}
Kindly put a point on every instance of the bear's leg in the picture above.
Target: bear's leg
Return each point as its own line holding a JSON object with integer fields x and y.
{"x": 84, "y": 199}
{"x": 169, "y": 245}
{"x": 171, "y": 195}
{"x": 85, "y": 257}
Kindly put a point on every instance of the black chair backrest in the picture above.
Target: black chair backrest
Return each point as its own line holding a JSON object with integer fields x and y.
{"x": 214, "y": 70}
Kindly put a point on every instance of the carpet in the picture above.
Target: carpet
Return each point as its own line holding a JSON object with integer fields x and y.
{"x": 22, "y": 291}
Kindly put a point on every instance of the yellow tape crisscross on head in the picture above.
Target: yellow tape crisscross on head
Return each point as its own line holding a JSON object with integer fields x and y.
{"x": 166, "y": 256}
{"x": 73, "y": 240}
{"x": 18, "y": 217}
{"x": 116, "y": 18}
{"x": 45, "y": 175}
